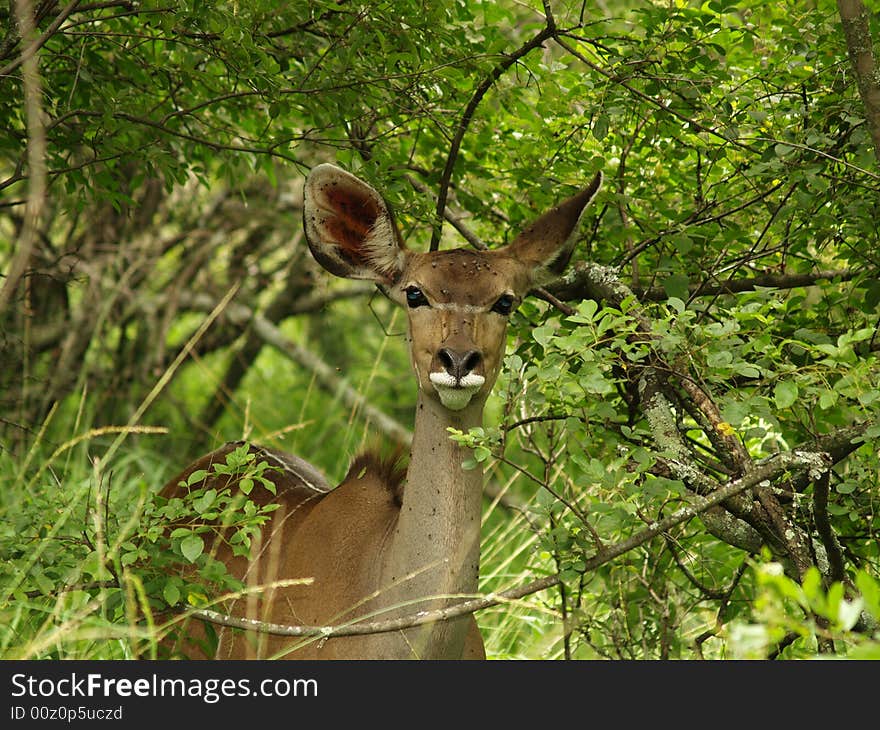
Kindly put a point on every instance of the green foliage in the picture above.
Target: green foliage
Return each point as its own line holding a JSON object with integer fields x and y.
{"x": 174, "y": 531}
{"x": 83, "y": 567}
{"x": 736, "y": 229}
{"x": 780, "y": 607}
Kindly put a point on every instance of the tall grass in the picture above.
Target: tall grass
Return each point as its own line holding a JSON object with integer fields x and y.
{"x": 64, "y": 590}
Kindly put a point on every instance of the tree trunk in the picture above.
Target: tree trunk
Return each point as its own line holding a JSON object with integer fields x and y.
{"x": 857, "y": 31}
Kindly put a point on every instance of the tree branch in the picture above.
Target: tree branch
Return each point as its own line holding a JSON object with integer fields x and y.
{"x": 36, "y": 155}
{"x": 38, "y": 43}
{"x": 575, "y": 286}
{"x": 463, "y": 124}
{"x": 615, "y": 78}
{"x": 271, "y": 335}
{"x": 772, "y": 468}
{"x": 836, "y": 571}
{"x": 603, "y": 283}
{"x": 454, "y": 217}
{"x": 747, "y": 518}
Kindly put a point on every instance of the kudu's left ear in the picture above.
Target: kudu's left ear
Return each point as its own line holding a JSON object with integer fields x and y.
{"x": 349, "y": 228}
{"x": 547, "y": 243}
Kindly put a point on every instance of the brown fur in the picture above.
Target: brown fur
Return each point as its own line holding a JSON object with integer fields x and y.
{"x": 347, "y": 524}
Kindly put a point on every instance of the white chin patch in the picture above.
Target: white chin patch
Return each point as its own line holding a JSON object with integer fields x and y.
{"x": 456, "y": 394}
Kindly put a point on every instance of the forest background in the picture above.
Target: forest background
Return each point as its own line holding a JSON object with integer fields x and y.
{"x": 681, "y": 454}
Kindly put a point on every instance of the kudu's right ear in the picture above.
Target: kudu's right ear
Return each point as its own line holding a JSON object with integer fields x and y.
{"x": 547, "y": 244}
{"x": 349, "y": 228}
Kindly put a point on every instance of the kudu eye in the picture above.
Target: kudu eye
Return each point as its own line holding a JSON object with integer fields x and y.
{"x": 504, "y": 305}
{"x": 415, "y": 297}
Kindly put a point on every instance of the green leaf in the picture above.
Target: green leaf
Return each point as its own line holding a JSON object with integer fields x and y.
{"x": 586, "y": 313}
{"x": 197, "y": 476}
{"x": 870, "y": 590}
{"x": 872, "y": 294}
{"x": 543, "y": 334}
{"x": 827, "y": 399}
{"x": 191, "y": 547}
{"x": 676, "y": 285}
{"x": 682, "y": 242}
{"x": 171, "y": 594}
{"x": 203, "y": 503}
{"x": 719, "y": 358}
{"x": 45, "y": 584}
{"x": 746, "y": 370}
{"x": 785, "y": 394}
{"x": 783, "y": 150}
{"x": 481, "y": 453}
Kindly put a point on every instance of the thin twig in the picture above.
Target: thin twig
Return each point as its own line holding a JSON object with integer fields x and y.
{"x": 454, "y": 217}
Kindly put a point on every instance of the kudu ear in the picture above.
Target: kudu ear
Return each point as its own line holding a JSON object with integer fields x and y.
{"x": 547, "y": 243}
{"x": 349, "y": 228}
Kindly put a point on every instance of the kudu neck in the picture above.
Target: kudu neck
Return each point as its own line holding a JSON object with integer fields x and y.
{"x": 437, "y": 487}
{"x": 436, "y": 547}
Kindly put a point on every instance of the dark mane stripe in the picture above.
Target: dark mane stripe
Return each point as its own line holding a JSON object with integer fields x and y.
{"x": 389, "y": 470}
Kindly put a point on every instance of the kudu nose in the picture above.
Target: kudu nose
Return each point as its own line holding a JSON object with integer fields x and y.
{"x": 458, "y": 364}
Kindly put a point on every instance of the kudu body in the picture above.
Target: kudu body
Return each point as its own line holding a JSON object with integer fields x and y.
{"x": 385, "y": 543}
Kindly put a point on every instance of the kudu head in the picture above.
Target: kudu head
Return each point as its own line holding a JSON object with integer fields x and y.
{"x": 457, "y": 300}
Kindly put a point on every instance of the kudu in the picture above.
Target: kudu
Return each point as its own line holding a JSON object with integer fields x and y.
{"x": 384, "y": 543}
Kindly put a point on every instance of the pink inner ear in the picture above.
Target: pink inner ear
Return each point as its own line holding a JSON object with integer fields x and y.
{"x": 354, "y": 214}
